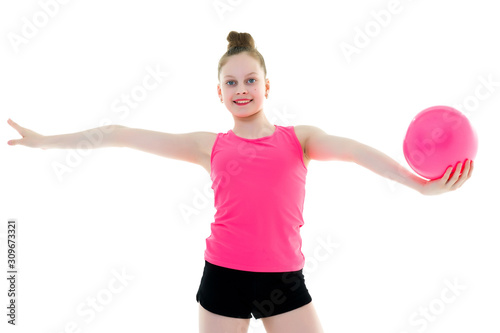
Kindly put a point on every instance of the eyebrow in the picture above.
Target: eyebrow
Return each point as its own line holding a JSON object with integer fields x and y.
{"x": 245, "y": 75}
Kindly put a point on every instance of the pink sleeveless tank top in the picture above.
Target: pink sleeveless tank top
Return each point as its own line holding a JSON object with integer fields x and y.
{"x": 259, "y": 188}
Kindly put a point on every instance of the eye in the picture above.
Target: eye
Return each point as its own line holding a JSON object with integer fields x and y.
{"x": 251, "y": 79}
{"x": 228, "y": 83}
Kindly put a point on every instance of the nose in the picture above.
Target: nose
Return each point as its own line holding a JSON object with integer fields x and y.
{"x": 242, "y": 90}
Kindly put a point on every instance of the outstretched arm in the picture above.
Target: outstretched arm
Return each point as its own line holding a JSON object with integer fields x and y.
{"x": 190, "y": 147}
{"x": 324, "y": 147}
{"x": 99, "y": 137}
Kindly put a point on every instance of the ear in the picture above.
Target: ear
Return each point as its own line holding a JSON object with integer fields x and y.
{"x": 219, "y": 91}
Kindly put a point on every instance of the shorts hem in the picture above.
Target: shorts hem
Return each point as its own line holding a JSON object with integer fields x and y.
{"x": 294, "y": 304}
{"x": 222, "y": 313}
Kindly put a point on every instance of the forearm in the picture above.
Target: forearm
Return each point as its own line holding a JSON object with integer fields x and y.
{"x": 98, "y": 137}
{"x": 385, "y": 166}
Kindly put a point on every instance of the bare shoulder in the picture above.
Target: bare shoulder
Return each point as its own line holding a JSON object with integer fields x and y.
{"x": 303, "y": 133}
{"x": 205, "y": 142}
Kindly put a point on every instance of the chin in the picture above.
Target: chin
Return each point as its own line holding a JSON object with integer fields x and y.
{"x": 244, "y": 114}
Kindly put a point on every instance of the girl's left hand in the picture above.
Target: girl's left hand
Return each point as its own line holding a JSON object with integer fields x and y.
{"x": 447, "y": 183}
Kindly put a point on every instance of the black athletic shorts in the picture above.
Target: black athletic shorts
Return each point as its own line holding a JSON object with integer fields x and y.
{"x": 239, "y": 294}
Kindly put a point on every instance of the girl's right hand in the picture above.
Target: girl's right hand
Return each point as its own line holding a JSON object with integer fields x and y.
{"x": 30, "y": 138}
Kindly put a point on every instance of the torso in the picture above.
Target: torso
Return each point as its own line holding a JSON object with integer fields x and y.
{"x": 210, "y": 140}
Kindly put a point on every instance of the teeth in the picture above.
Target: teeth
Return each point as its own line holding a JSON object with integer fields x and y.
{"x": 242, "y": 102}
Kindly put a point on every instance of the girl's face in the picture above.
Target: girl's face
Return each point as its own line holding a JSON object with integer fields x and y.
{"x": 242, "y": 78}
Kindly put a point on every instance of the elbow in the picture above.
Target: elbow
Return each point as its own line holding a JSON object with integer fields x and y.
{"x": 115, "y": 135}
{"x": 356, "y": 152}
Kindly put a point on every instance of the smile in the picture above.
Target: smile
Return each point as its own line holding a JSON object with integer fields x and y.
{"x": 243, "y": 102}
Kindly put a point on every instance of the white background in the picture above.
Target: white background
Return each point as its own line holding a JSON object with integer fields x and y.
{"x": 121, "y": 209}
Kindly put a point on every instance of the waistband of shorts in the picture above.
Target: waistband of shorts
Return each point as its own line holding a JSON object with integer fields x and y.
{"x": 226, "y": 269}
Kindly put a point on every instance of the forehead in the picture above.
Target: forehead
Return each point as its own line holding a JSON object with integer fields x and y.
{"x": 240, "y": 65}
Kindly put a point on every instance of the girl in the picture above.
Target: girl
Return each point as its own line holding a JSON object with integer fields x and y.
{"x": 253, "y": 258}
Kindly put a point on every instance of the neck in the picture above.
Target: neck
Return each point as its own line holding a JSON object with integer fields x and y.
{"x": 253, "y": 127}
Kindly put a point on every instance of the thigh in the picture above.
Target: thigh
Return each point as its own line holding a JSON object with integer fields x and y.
{"x": 214, "y": 323}
{"x": 303, "y": 319}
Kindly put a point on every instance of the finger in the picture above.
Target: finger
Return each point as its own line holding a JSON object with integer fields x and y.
{"x": 467, "y": 169}
{"x": 14, "y": 125}
{"x": 471, "y": 169}
{"x": 464, "y": 176}
{"x": 19, "y": 129}
{"x": 10, "y": 122}
{"x": 456, "y": 175}
{"x": 446, "y": 175}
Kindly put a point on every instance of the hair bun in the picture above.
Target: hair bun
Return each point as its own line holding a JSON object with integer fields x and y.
{"x": 240, "y": 39}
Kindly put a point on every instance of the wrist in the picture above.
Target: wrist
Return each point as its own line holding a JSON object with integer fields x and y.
{"x": 420, "y": 185}
{"x": 45, "y": 142}
{"x": 415, "y": 182}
